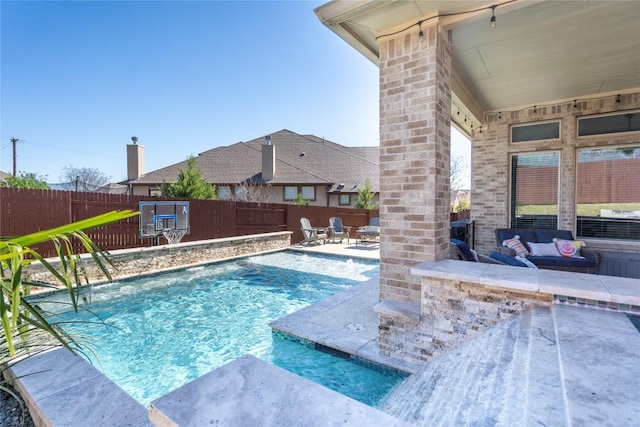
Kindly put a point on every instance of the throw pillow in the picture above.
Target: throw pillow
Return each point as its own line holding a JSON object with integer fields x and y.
{"x": 515, "y": 244}
{"x": 569, "y": 248}
{"x": 544, "y": 249}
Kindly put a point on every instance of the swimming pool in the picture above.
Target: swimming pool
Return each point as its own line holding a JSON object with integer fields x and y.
{"x": 166, "y": 330}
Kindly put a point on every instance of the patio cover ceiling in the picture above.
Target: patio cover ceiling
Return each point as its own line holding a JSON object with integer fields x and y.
{"x": 539, "y": 52}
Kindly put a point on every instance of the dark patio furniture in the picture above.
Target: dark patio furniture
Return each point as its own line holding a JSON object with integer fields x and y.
{"x": 589, "y": 262}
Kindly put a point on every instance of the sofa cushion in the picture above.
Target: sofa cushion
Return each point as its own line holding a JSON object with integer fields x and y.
{"x": 507, "y": 259}
{"x": 544, "y": 249}
{"x": 547, "y": 236}
{"x": 563, "y": 262}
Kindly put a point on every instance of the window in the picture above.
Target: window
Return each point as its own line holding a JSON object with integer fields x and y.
{"x": 224, "y": 192}
{"x": 535, "y": 132}
{"x": 240, "y": 193}
{"x": 344, "y": 200}
{"x": 608, "y": 193}
{"x": 290, "y": 192}
{"x": 613, "y": 123}
{"x": 534, "y": 190}
{"x": 308, "y": 192}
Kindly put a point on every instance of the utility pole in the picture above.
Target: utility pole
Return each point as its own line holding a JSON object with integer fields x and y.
{"x": 14, "y": 141}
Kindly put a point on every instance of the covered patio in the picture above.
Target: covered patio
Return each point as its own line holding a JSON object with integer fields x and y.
{"x": 549, "y": 94}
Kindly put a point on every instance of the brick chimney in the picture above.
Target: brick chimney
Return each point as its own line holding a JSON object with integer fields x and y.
{"x": 135, "y": 159}
{"x": 268, "y": 159}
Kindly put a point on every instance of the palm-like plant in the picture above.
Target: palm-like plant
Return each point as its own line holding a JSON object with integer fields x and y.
{"x": 25, "y": 328}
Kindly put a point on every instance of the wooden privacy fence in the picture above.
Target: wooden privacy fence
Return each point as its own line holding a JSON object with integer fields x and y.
{"x": 25, "y": 211}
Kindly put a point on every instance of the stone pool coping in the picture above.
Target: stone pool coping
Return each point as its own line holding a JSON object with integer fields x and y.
{"x": 347, "y": 322}
{"x": 251, "y": 392}
{"x": 63, "y": 389}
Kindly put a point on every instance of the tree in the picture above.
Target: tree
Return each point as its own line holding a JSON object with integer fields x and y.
{"x": 463, "y": 202}
{"x": 302, "y": 202}
{"x": 83, "y": 179}
{"x": 190, "y": 184}
{"x": 252, "y": 192}
{"x": 26, "y": 180}
{"x": 456, "y": 173}
{"x": 364, "y": 200}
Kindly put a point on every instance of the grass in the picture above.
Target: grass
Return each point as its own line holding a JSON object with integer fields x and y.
{"x": 592, "y": 209}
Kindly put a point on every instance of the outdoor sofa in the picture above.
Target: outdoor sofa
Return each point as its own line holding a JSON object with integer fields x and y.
{"x": 548, "y": 249}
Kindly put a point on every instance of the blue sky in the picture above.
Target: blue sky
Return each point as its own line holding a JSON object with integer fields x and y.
{"x": 78, "y": 79}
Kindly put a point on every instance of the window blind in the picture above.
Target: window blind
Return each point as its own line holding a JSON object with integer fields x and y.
{"x": 534, "y": 190}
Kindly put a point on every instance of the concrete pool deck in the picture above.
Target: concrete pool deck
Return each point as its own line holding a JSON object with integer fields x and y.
{"x": 565, "y": 366}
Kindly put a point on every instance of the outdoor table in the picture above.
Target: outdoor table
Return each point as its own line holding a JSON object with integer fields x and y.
{"x": 366, "y": 234}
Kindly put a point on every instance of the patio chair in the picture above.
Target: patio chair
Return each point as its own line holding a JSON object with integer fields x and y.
{"x": 312, "y": 234}
{"x": 337, "y": 230}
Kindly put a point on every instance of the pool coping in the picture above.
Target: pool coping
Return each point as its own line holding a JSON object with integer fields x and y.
{"x": 60, "y": 388}
{"x": 311, "y": 324}
{"x": 612, "y": 290}
{"x": 251, "y": 392}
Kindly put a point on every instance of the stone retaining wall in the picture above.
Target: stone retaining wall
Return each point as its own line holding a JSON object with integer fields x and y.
{"x": 141, "y": 261}
{"x": 450, "y": 312}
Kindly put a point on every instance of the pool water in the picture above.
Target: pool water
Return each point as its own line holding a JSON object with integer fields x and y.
{"x": 153, "y": 334}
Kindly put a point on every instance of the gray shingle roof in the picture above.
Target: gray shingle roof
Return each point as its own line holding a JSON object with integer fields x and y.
{"x": 300, "y": 159}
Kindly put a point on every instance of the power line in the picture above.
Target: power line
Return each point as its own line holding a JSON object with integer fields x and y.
{"x": 66, "y": 148}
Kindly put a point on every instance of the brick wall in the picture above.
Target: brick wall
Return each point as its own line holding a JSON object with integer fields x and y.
{"x": 415, "y": 108}
{"x": 491, "y": 153}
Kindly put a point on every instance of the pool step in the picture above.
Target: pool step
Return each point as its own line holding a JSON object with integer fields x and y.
{"x": 486, "y": 380}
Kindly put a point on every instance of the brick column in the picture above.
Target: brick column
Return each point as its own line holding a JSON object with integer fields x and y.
{"x": 415, "y": 104}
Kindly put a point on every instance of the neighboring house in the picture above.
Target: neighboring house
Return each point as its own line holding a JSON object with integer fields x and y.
{"x": 276, "y": 167}
{"x": 3, "y": 175}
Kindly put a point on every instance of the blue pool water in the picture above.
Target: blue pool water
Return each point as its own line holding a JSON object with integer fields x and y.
{"x": 159, "y": 332}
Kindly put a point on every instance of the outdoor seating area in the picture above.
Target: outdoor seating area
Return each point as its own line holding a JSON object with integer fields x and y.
{"x": 547, "y": 249}
{"x": 337, "y": 232}
{"x": 544, "y": 248}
